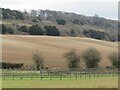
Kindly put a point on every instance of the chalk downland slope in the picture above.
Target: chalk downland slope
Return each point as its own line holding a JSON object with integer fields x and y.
{"x": 19, "y": 48}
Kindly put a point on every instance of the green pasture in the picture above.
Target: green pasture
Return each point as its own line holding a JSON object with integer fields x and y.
{"x": 56, "y": 77}
{"x": 34, "y": 79}
{"x": 105, "y": 82}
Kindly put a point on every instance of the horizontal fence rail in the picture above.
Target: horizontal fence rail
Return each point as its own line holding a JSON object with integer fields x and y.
{"x": 59, "y": 74}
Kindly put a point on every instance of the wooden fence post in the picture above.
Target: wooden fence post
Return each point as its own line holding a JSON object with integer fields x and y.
{"x": 13, "y": 77}
{"x": 106, "y": 74}
{"x": 97, "y": 74}
{"x": 61, "y": 76}
{"x": 85, "y": 75}
{"x": 101, "y": 74}
{"x": 76, "y": 75}
{"x": 50, "y": 76}
{"x": 41, "y": 74}
{"x": 89, "y": 74}
{"x": 20, "y": 77}
{"x": 70, "y": 75}
{"x": 31, "y": 77}
{"x": 80, "y": 74}
{"x": 4, "y": 77}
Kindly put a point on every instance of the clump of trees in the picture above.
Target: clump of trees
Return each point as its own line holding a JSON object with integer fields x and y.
{"x": 79, "y": 22}
{"x": 12, "y": 14}
{"x": 23, "y": 29}
{"x": 36, "y": 30}
{"x": 10, "y": 30}
{"x": 72, "y": 59}
{"x": 61, "y": 21}
{"x": 114, "y": 57}
{"x": 73, "y": 33}
{"x": 6, "y": 65}
{"x": 32, "y": 30}
{"x": 38, "y": 60}
{"x": 95, "y": 34}
{"x": 6, "y": 30}
{"x": 91, "y": 57}
{"x": 51, "y": 31}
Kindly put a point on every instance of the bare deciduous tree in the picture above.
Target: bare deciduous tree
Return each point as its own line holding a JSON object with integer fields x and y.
{"x": 91, "y": 58}
{"x": 115, "y": 59}
{"x": 73, "y": 59}
{"x": 38, "y": 60}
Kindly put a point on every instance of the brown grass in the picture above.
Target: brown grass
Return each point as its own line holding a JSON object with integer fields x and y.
{"x": 19, "y": 48}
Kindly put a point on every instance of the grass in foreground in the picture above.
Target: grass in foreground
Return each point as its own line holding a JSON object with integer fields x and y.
{"x": 107, "y": 82}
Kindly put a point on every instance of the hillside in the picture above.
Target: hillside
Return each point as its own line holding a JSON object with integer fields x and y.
{"x": 68, "y": 24}
{"x": 19, "y": 48}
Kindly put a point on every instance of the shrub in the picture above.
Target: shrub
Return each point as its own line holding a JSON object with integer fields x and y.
{"x": 91, "y": 57}
{"x": 38, "y": 60}
{"x": 61, "y": 21}
{"x": 72, "y": 59}
{"x": 114, "y": 57}
{"x": 4, "y": 29}
{"x": 23, "y": 29}
{"x": 36, "y": 30}
{"x": 10, "y": 30}
{"x": 52, "y": 31}
{"x": 5, "y": 65}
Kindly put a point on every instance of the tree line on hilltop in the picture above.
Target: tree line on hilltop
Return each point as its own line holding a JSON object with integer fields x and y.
{"x": 94, "y": 23}
{"x": 54, "y": 31}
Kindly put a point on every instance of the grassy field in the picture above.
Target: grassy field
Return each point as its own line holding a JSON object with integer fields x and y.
{"x": 20, "y": 48}
{"x": 106, "y": 82}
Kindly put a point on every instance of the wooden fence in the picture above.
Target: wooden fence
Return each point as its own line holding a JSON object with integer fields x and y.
{"x": 60, "y": 74}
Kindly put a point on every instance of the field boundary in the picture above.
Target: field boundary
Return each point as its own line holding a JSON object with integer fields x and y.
{"x": 59, "y": 74}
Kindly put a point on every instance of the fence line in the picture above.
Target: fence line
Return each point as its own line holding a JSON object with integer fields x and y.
{"x": 57, "y": 74}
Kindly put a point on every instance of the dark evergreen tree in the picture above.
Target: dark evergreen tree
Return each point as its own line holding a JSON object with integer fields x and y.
{"x": 52, "y": 31}
{"x": 36, "y": 30}
{"x": 10, "y": 30}
{"x": 61, "y": 21}
{"x": 4, "y": 29}
{"x": 23, "y": 29}
{"x": 95, "y": 34}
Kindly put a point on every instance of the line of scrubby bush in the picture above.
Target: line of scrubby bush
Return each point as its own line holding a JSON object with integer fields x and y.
{"x": 84, "y": 22}
{"x": 33, "y": 30}
{"x": 99, "y": 35}
{"x": 91, "y": 57}
{"x": 6, "y": 65}
{"x": 54, "y": 31}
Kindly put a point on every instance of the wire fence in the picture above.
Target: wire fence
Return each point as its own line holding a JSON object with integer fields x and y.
{"x": 60, "y": 74}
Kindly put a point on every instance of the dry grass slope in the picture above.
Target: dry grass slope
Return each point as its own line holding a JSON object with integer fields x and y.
{"x": 19, "y": 48}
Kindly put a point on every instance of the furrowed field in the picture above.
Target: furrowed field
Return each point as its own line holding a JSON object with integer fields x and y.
{"x": 20, "y": 48}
